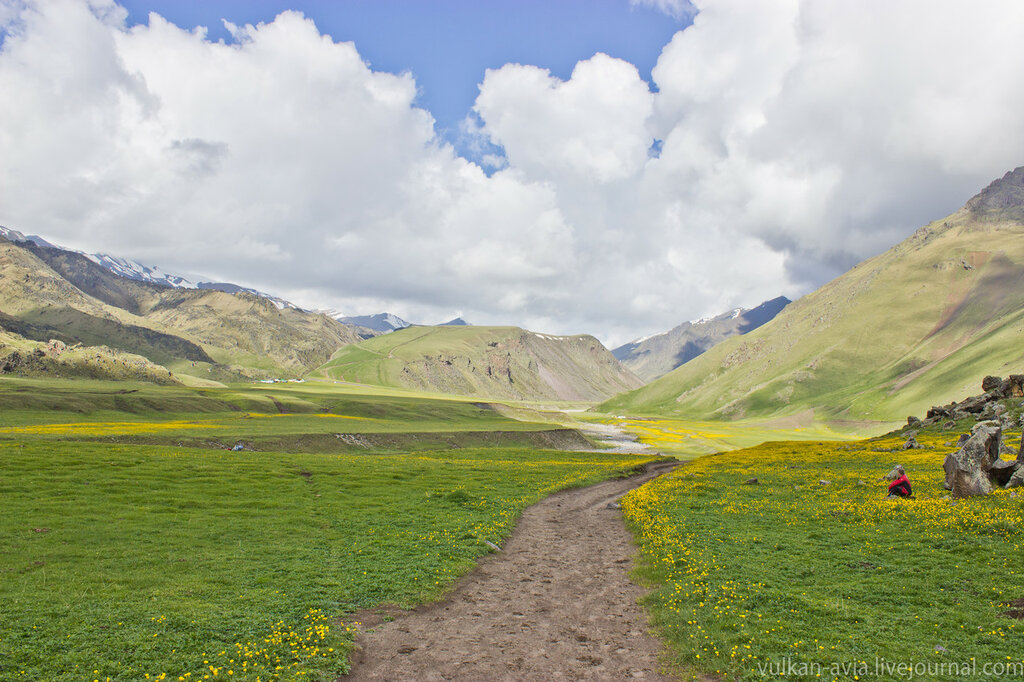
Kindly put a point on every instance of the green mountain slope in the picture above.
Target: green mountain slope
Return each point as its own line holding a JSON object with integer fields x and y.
{"x": 491, "y": 362}
{"x": 918, "y": 325}
{"x": 52, "y": 293}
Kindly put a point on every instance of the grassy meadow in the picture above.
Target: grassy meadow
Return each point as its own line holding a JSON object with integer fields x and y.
{"x": 139, "y": 545}
{"x": 687, "y": 439}
{"x": 794, "y": 579}
{"x": 130, "y": 556}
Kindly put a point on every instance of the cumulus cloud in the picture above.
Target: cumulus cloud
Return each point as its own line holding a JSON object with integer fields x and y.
{"x": 778, "y": 144}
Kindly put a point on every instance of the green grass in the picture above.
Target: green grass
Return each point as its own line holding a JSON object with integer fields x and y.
{"x": 686, "y": 438}
{"x": 132, "y": 560}
{"x": 829, "y": 578}
{"x": 127, "y": 555}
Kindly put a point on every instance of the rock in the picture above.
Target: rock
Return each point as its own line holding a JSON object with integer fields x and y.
{"x": 912, "y": 444}
{"x": 1000, "y": 472}
{"x": 962, "y": 439}
{"x": 949, "y": 466}
{"x": 999, "y": 409}
{"x": 824, "y": 482}
{"x": 1013, "y": 386}
{"x": 1017, "y": 480}
{"x": 949, "y": 425}
{"x": 974, "y": 460}
{"x": 937, "y": 411}
{"x": 973, "y": 405}
{"x": 914, "y": 422}
{"x": 985, "y": 424}
{"x": 861, "y": 483}
{"x": 989, "y": 383}
{"x": 752, "y": 481}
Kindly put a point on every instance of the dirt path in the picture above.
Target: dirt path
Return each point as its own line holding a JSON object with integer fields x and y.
{"x": 557, "y": 603}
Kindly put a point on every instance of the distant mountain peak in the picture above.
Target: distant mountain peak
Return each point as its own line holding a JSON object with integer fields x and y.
{"x": 381, "y": 322}
{"x": 658, "y": 354}
{"x": 1002, "y": 199}
{"x": 16, "y": 237}
{"x": 457, "y": 322}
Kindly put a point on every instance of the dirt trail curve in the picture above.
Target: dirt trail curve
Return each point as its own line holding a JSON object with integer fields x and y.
{"x": 557, "y": 603}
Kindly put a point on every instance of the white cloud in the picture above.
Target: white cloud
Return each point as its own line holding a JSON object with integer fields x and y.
{"x": 797, "y": 137}
{"x": 591, "y": 127}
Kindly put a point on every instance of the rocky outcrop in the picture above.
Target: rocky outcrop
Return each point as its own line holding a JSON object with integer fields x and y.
{"x": 973, "y": 461}
{"x": 990, "y": 383}
{"x": 981, "y": 407}
{"x": 976, "y": 468}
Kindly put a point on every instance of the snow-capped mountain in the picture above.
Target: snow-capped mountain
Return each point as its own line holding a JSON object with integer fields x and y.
{"x": 15, "y": 236}
{"x": 381, "y": 322}
{"x": 137, "y": 271}
{"x": 658, "y": 354}
{"x": 144, "y": 273}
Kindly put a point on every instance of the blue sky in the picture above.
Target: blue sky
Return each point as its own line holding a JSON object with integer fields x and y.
{"x": 449, "y": 44}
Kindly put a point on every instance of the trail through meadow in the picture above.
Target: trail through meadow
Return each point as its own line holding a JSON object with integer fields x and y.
{"x": 556, "y": 603}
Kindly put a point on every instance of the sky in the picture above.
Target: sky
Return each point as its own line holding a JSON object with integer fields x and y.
{"x": 582, "y": 166}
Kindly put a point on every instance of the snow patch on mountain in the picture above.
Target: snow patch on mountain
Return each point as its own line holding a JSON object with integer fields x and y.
{"x": 144, "y": 273}
{"x": 381, "y": 322}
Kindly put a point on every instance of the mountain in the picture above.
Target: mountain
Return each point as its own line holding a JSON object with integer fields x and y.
{"x": 653, "y": 356}
{"x": 381, "y": 322}
{"x": 487, "y": 362}
{"x": 918, "y": 325}
{"x": 142, "y": 273}
{"x": 52, "y": 293}
{"x": 457, "y": 322}
{"x": 55, "y": 359}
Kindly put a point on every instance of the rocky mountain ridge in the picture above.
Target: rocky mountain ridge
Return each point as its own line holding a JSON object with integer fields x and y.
{"x": 491, "y": 362}
{"x": 657, "y": 355}
{"x": 50, "y": 293}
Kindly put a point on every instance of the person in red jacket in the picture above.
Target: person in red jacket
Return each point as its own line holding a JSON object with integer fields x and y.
{"x": 901, "y": 486}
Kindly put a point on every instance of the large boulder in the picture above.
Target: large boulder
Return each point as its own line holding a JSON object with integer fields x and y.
{"x": 975, "y": 459}
{"x": 991, "y": 383}
{"x": 1013, "y": 386}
